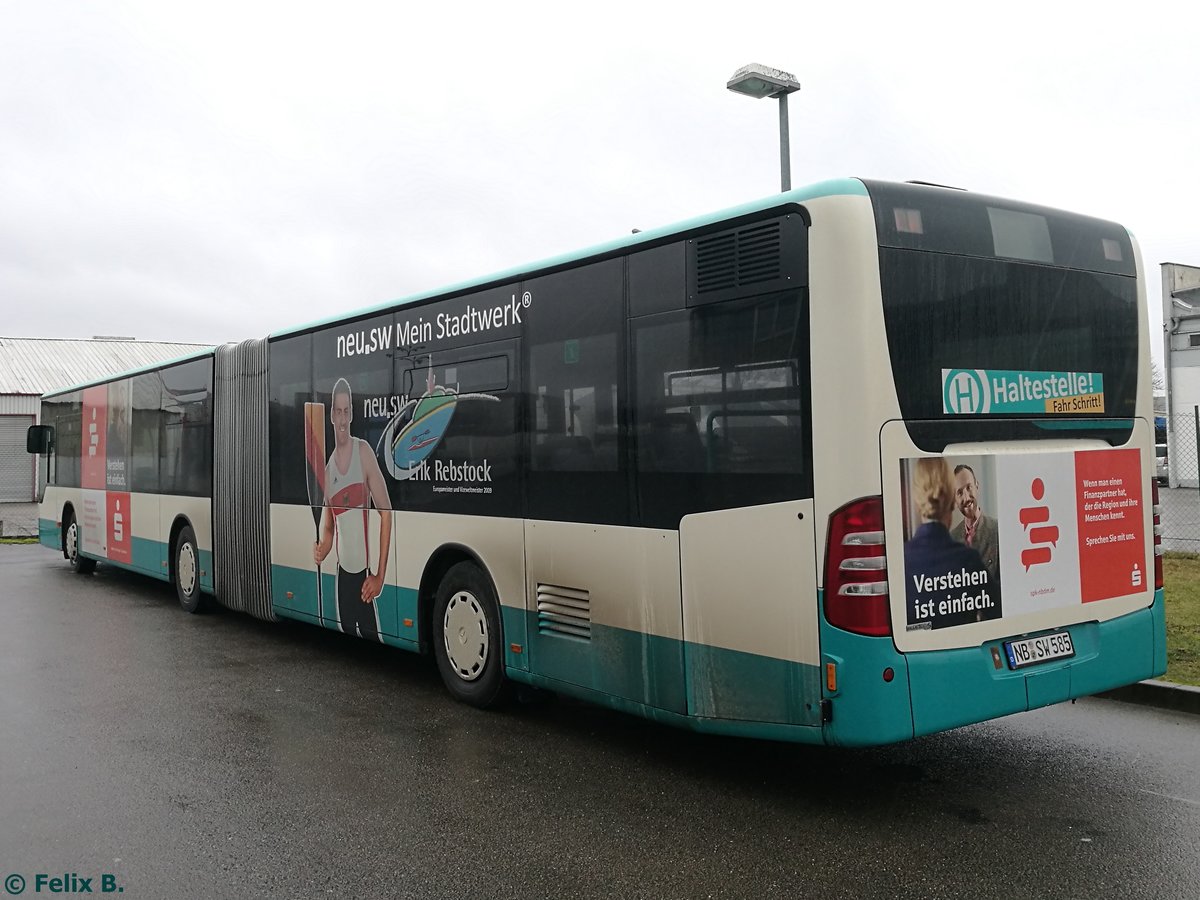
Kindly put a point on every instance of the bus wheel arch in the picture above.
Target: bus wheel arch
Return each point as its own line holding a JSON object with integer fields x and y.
{"x": 82, "y": 565}
{"x": 185, "y": 566}
{"x": 440, "y": 562}
{"x": 464, "y": 627}
{"x": 65, "y": 518}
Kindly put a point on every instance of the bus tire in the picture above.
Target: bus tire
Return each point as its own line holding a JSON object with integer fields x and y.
{"x": 186, "y": 572}
{"x": 81, "y": 564}
{"x": 467, "y": 640}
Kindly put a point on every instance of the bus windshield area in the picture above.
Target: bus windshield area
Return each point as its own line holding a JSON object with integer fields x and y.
{"x": 1031, "y": 339}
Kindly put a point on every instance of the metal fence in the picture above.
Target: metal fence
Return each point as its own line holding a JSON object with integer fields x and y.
{"x": 18, "y": 520}
{"x": 1177, "y": 458}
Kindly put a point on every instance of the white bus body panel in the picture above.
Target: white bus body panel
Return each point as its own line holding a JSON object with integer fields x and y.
{"x": 604, "y": 610}
{"x": 749, "y": 586}
{"x": 853, "y": 391}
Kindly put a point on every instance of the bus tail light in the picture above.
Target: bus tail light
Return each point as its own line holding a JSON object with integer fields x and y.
{"x": 856, "y": 590}
{"x": 1158, "y": 550}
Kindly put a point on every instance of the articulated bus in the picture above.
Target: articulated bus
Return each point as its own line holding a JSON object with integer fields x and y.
{"x": 855, "y": 463}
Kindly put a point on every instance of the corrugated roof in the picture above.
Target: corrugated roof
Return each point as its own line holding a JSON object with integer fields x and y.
{"x": 38, "y": 365}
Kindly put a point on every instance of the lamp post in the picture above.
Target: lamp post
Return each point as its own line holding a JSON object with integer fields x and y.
{"x": 759, "y": 81}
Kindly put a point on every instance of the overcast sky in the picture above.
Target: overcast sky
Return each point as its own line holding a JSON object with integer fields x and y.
{"x": 215, "y": 171}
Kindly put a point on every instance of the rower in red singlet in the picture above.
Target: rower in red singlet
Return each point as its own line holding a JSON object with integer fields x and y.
{"x": 353, "y": 482}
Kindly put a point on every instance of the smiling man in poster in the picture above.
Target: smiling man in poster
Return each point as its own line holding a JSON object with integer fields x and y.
{"x": 976, "y": 529}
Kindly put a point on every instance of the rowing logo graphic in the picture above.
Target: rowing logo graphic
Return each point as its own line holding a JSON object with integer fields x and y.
{"x": 415, "y": 432}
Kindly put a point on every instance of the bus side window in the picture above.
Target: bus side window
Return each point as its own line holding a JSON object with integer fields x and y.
{"x": 69, "y": 440}
{"x": 721, "y": 406}
{"x": 146, "y": 431}
{"x": 673, "y": 444}
{"x": 575, "y": 408}
{"x": 574, "y": 391}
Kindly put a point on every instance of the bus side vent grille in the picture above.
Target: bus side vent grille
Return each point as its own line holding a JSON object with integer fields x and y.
{"x": 564, "y": 610}
{"x": 758, "y": 254}
{"x": 755, "y": 259}
{"x": 716, "y": 263}
{"x": 738, "y": 258}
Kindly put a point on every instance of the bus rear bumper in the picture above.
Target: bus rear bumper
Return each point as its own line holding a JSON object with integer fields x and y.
{"x": 959, "y": 687}
{"x": 937, "y": 690}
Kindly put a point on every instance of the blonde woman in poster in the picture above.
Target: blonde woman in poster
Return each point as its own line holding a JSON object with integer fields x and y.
{"x": 946, "y": 581}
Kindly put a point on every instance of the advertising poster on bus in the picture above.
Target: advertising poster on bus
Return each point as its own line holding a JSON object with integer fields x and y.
{"x": 345, "y": 480}
{"x": 993, "y": 536}
{"x": 118, "y": 416}
{"x": 106, "y": 526}
{"x": 118, "y": 523}
{"x": 93, "y": 471}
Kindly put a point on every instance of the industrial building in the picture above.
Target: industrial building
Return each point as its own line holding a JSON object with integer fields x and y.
{"x": 29, "y": 367}
{"x": 1181, "y": 346}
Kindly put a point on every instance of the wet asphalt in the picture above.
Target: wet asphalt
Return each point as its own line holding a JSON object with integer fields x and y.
{"x": 218, "y": 756}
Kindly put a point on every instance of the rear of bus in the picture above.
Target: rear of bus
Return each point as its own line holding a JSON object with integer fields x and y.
{"x": 1011, "y": 560}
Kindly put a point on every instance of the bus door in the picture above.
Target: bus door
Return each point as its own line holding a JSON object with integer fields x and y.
{"x": 724, "y": 456}
{"x": 602, "y": 585}
{"x": 750, "y": 613}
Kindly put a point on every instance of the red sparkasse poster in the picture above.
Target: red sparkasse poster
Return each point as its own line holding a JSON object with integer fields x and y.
{"x": 94, "y": 455}
{"x": 119, "y": 522}
{"x": 1112, "y": 535}
{"x": 1014, "y": 534}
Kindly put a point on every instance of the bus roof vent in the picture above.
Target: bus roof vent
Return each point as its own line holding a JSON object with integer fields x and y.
{"x": 565, "y": 611}
{"x": 754, "y": 259}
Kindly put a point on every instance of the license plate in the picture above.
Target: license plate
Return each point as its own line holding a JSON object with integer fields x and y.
{"x": 1031, "y": 651}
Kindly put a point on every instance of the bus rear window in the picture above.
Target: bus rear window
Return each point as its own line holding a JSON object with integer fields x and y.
{"x": 1037, "y": 331}
{"x": 1004, "y": 319}
{"x": 942, "y": 220}
{"x": 1020, "y": 235}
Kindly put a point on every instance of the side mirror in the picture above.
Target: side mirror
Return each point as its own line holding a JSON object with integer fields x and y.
{"x": 38, "y": 439}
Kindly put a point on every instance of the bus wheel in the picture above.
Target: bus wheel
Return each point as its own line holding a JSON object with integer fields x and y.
{"x": 81, "y": 564}
{"x": 466, "y": 637}
{"x": 187, "y": 572}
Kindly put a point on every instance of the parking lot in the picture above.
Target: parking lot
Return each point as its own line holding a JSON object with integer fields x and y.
{"x": 219, "y": 756}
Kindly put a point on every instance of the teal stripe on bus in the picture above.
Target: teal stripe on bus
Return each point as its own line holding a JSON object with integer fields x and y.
{"x": 767, "y": 731}
{"x": 149, "y": 557}
{"x": 644, "y": 669}
{"x": 867, "y": 710}
{"x": 1159, "y": 610}
{"x": 731, "y": 684}
{"x": 49, "y": 534}
{"x": 394, "y": 606}
{"x": 207, "y": 580}
{"x": 711, "y": 689}
{"x": 674, "y": 676}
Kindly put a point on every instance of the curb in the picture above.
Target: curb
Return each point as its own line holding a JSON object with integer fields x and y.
{"x": 1163, "y": 694}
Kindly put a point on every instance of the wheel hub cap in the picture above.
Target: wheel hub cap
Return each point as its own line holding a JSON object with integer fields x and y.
{"x": 187, "y": 569}
{"x": 466, "y": 631}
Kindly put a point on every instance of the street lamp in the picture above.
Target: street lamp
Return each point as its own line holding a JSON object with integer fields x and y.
{"x": 762, "y": 81}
